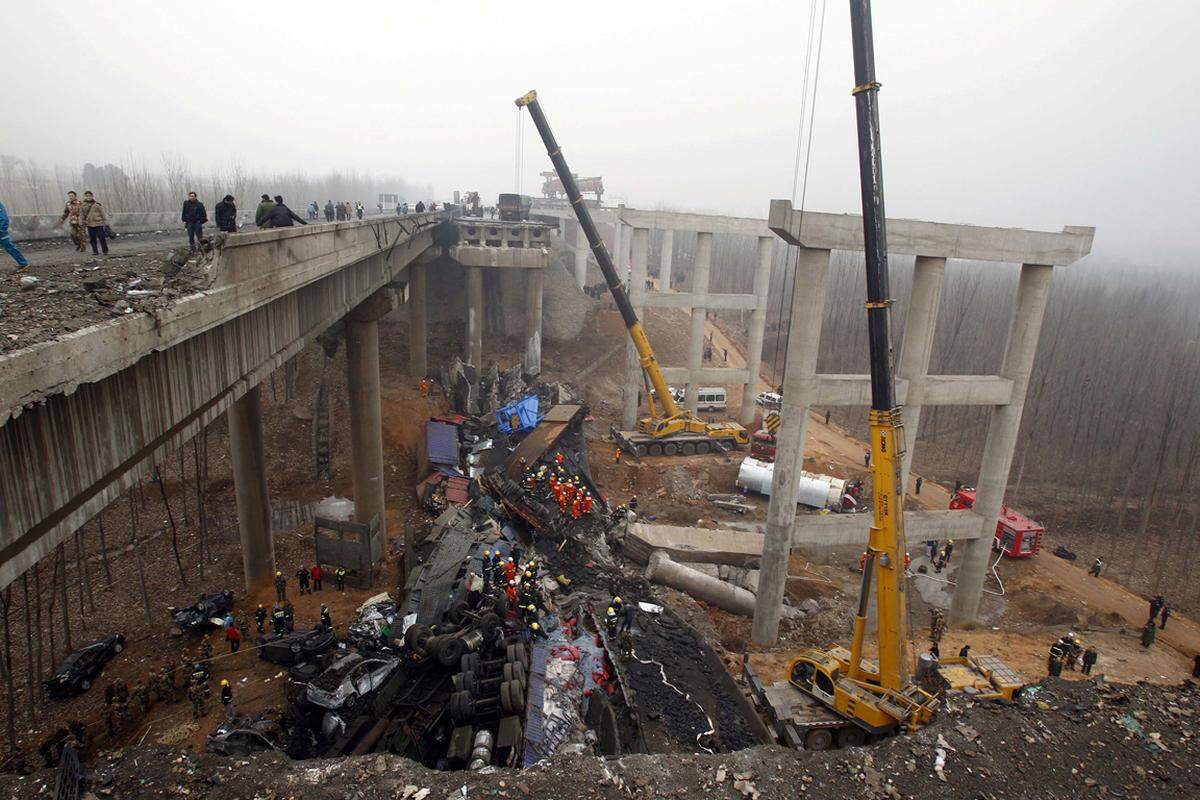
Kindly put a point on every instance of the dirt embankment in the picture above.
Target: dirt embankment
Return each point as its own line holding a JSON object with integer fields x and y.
{"x": 1064, "y": 740}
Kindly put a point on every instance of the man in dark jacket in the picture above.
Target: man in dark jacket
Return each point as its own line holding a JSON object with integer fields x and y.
{"x": 263, "y": 207}
{"x": 280, "y": 216}
{"x": 329, "y": 211}
{"x": 226, "y": 213}
{"x": 420, "y": 207}
{"x": 193, "y": 217}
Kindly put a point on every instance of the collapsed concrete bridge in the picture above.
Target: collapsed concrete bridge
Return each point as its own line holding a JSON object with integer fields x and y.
{"x": 83, "y": 415}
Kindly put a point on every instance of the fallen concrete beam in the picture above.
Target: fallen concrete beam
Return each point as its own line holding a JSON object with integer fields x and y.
{"x": 705, "y": 375}
{"x": 742, "y": 548}
{"x": 662, "y": 570}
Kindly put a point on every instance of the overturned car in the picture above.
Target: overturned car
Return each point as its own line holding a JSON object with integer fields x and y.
{"x": 205, "y": 614}
{"x": 296, "y": 647}
{"x": 79, "y": 670}
{"x": 245, "y": 735}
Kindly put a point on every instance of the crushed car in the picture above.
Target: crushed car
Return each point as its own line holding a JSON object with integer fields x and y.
{"x": 245, "y": 735}
{"x": 374, "y": 616}
{"x": 79, "y": 670}
{"x": 349, "y": 679}
{"x": 296, "y": 647}
{"x": 205, "y": 614}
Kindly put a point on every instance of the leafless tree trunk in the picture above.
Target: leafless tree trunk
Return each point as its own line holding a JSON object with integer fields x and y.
{"x": 66, "y": 604}
{"x": 85, "y": 575}
{"x": 200, "y": 483}
{"x": 6, "y": 602}
{"x": 162, "y": 489}
{"x": 137, "y": 557}
{"x": 104, "y": 549}
{"x": 30, "y": 675}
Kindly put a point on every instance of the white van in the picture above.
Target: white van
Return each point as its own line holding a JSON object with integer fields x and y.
{"x": 710, "y": 398}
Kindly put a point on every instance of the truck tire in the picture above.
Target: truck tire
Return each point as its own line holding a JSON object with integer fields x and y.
{"x": 702, "y": 448}
{"x": 506, "y": 702}
{"x": 818, "y": 739}
{"x": 469, "y": 663}
{"x": 641, "y": 450}
{"x": 670, "y": 449}
{"x": 688, "y": 449}
{"x": 514, "y": 671}
{"x": 655, "y": 449}
{"x": 461, "y": 706}
{"x": 451, "y": 652}
{"x": 852, "y": 736}
{"x": 457, "y": 612}
{"x": 416, "y": 636}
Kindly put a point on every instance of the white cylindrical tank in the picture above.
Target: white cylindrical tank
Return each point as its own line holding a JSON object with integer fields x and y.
{"x": 817, "y": 491}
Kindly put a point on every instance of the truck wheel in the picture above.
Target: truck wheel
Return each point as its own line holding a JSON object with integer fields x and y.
{"x": 506, "y": 702}
{"x": 818, "y": 739}
{"x": 85, "y": 684}
{"x": 416, "y": 637}
{"x": 514, "y": 671}
{"x": 655, "y": 449}
{"x": 688, "y": 449}
{"x": 451, "y": 652}
{"x": 641, "y": 450}
{"x": 670, "y": 449}
{"x": 702, "y": 448}
{"x": 469, "y": 663}
{"x": 851, "y": 737}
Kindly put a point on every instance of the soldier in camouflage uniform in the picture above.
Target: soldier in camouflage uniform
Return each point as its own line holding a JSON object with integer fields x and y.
{"x": 141, "y": 696}
{"x": 122, "y": 713}
{"x": 243, "y": 623}
{"x": 206, "y": 653}
{"x": 196, "y": 697}
{"x": 937, "y": 624}
{"x": 170, "y": 690}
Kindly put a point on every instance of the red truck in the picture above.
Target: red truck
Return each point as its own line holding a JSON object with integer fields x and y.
{"x": 1016, "y": 534}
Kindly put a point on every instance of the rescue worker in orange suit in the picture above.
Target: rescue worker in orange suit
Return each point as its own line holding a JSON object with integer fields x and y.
{"x": 575, "y": 508}
{"x": 587, "y": 502}
{"x": 424, "y": 387}
{"x": 510, "y": 570}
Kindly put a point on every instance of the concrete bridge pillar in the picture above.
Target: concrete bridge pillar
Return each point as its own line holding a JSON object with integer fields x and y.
{"x": 250, "y": 487}
{"x": 581, "y": 265}
{"x": 696, "y": 341}
{"x": 637, "y": 296}
{"x": 1033, "y": 290}
{"x": 418, "y": 321}
{"x": 366, "y": 425}
{"x": 799, "y": 386}
{"x": 913, "y": 364}
{"x": 534, "y": 279}
{"x": 474, "y": 348}
{"x": 758, "y": 327}
{"x": 666, "y": 258}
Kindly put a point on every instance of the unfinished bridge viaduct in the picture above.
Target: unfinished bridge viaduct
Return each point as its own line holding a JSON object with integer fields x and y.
{"x": 82, "y": 416}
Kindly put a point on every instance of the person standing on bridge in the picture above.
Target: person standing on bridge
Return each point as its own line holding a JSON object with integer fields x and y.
{"x": 329, "y": 211}
{"x": 280, "y": 216}
{"x": 312, "y": 210}
{"x": 95, "y": 219}
{"x": 6, "y": 241}
{"x": 264, "y": 206}
{"x": 358, "y": 209}
{"x": 70, "y": 216}
{"x": 420, "y": 207}
{"x": 226, "y": 214}
{"x": 193, "y": 217}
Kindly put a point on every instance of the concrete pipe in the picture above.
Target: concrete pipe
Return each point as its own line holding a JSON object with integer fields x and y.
{"x": 664, "y": 571}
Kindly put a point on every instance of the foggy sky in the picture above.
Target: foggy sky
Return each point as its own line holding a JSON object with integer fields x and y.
{"x": 1020, "y": 112}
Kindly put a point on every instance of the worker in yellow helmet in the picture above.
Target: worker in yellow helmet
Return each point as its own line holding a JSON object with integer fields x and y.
{"x": 227, "y": 698}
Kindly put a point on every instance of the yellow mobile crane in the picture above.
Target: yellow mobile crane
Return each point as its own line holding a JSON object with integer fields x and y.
{"x": 674, "y": 430}
{"x": 879, "y": 698}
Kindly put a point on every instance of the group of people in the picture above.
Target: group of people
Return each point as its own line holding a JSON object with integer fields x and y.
{"x": 341, "y": 211}
{"x": 940, "y": 557}
{"x": 557, "y": 481}
{"x": 1068, "y": 651}
{"x": 520, "y": 585}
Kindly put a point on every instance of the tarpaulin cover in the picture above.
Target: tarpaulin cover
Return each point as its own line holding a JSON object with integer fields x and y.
{"x": 443, "y": 443}
{"x": 525, "y": 412}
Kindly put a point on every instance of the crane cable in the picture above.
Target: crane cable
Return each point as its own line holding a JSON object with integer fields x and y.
{"x": 806, "y": 114}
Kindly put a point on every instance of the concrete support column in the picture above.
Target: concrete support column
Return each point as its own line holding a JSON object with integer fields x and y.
{"x": 418, "y": 321}
{"x": 533, "y": 321}
{"x": 250, "y": 487}
{"x": 1033, "y": 290}
{"x": 799, "y": 385}
{"x": 666, "y": 259}
{"x": 581, "y": 265}
{"x": 618, "y": 248}
{"x": 758, "y": 327}
{"x": 637, "y": 296}
{"x": 913, "y": 365}
{"x": 366, "y": 425}
{"x": 696, "y": 338}
{"x": 474, "y": 348}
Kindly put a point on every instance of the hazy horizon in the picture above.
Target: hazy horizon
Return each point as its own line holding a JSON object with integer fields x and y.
{"x": 1023, "y": 114}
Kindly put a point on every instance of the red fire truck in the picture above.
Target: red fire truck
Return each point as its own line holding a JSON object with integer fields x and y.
{"x": 1016, "y": 534}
